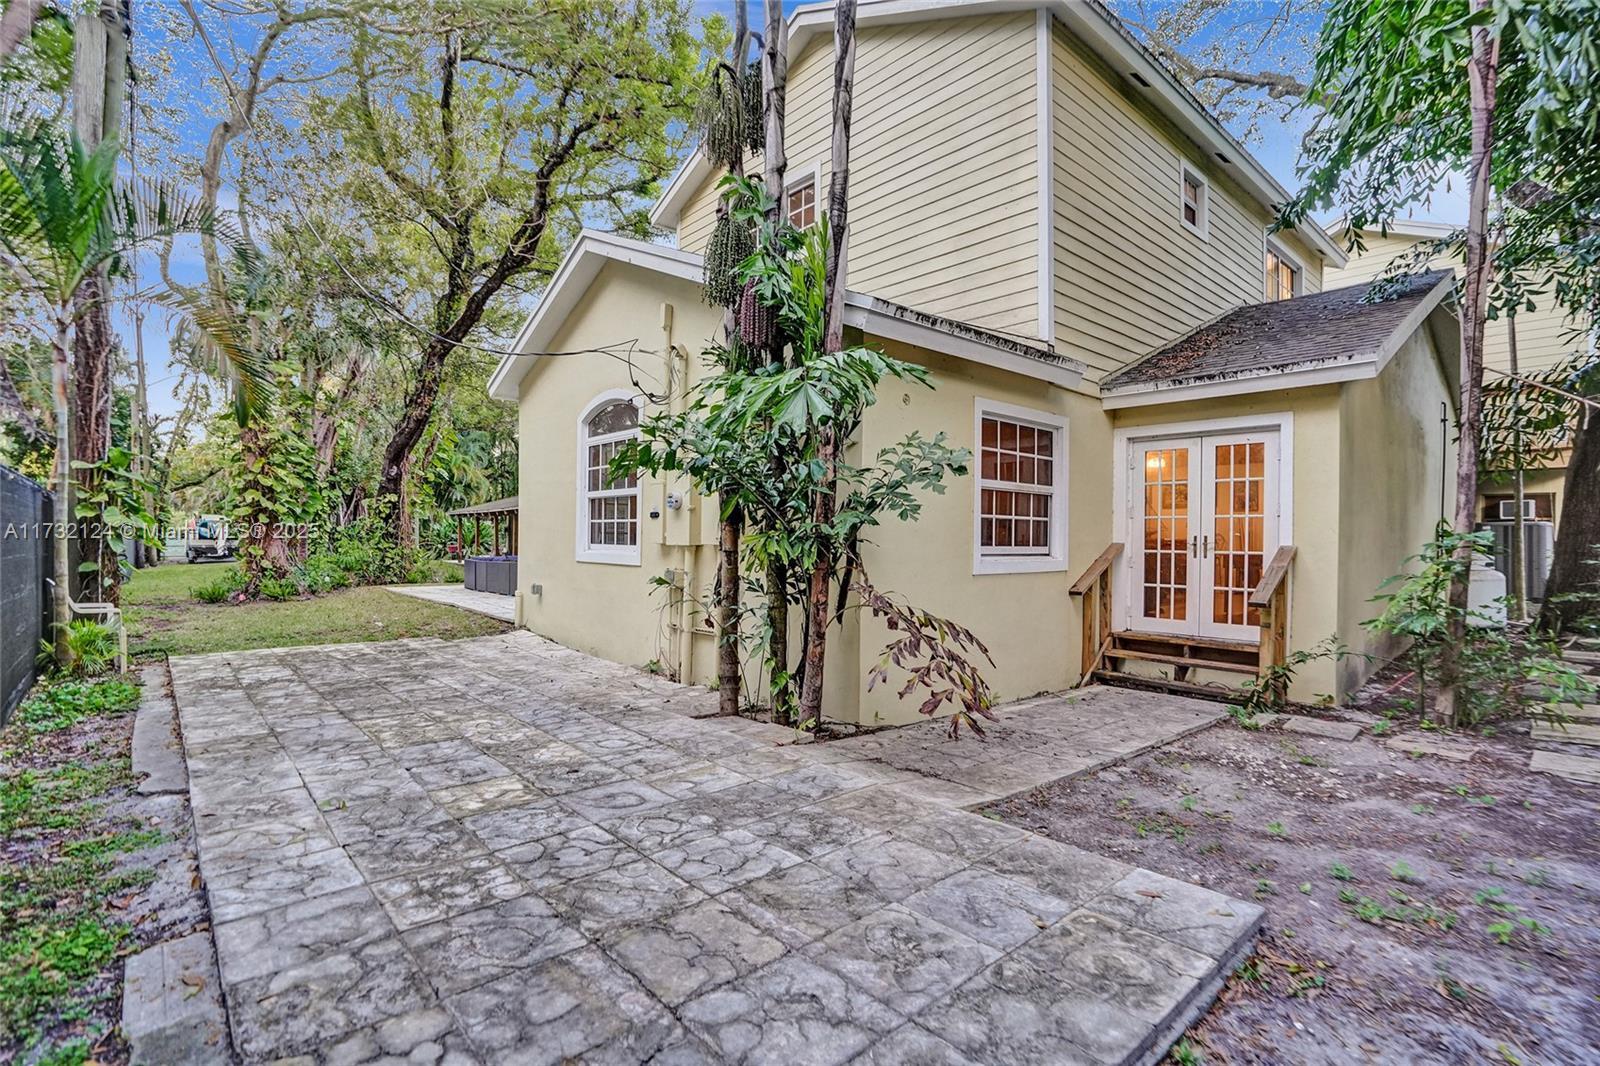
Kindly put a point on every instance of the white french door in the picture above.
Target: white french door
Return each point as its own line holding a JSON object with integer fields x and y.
{"x": 1204, "y": 519}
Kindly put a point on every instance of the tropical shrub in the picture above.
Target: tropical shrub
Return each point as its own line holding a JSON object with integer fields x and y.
{"x": 91, "y": 647}
{"x": 1498, "y": 676}
{"x": 221, "y": 588}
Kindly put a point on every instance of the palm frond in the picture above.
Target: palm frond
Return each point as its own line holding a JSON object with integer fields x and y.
{"x": 224, "y": 339}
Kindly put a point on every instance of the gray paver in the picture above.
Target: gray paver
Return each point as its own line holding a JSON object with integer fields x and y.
{"x": 157, "y": 750}
{"x": 1321, "y": 727}
{"x": 172, "y": 1012}
{"x": 500, "y": 850}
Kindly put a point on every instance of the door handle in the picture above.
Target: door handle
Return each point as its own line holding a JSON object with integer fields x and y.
{"x": 1194, "y": 546}
{"x": 1205, "y": 546}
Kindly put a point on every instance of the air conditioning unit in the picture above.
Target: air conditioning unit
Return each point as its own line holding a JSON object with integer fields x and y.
{"x": 1508, "y": 510}
{"x": 1538, "y": 546}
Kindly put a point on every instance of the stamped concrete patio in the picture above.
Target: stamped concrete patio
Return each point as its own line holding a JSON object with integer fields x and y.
{"x": 500, "y": 851}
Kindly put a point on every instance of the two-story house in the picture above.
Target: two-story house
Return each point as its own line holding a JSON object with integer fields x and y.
{"x": 1189, "y": 455}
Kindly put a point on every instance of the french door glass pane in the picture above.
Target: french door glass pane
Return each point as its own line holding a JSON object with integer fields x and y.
{"x": 1166, "y": 533}
{"x": 1237, "y": 529}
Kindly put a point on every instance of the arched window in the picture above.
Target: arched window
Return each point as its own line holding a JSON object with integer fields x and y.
{"x": 608, "y": 511}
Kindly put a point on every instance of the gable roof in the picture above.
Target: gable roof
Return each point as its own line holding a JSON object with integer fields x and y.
{"x": 1090, "y": 22}
{"x": 873, "y": 316}
{"x": 1334, "y": 335}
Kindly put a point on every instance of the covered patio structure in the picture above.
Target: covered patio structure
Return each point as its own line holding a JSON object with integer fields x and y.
{"x": 494, "y": 572}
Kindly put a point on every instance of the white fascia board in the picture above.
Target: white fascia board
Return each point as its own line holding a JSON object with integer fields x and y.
{"x": 1400, "y": 227}
{"x": 571, "y": 280}
{"x": 691, "y": 174}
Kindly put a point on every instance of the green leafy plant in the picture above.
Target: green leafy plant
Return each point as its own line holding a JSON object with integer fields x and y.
{"x": 1268, "y": 691}
{"x": 1496, "y": 676}
{"x": 66, "y": 703}
{"x": 1340, "y": 872}
{"x": 221, "y": 588}
{"x": 91, "y": 647}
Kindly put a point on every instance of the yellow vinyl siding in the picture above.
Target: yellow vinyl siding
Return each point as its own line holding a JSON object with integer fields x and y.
{"x": 1129, "y": 275}
{"x": 1544, "y": 336}
{"x": 944, "y": 167}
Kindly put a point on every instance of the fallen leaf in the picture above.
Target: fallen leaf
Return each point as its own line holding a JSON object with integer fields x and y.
{"x": 195, "y": 983}
{"x": 1152, "y": 893}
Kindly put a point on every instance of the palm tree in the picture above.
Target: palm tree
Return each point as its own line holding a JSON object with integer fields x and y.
{"x": 63, "y": 216}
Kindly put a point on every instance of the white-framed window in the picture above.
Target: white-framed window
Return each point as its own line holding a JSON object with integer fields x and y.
{"x": 1194, "y": 199}
{"x": 1020, "y": 492}
{"x": 1283, "y": 274}
{"x": 608, "y": 511}
{"x": 802, "y": 186}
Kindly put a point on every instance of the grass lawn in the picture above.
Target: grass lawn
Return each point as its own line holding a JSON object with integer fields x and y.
{"x": 164, "y": 617}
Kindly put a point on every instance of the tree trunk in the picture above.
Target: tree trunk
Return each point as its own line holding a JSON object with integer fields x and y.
{"x": 775, "y": 162}
{"x": 1574, "y": 569}
{"x": 262, "y": 546}
{"x": 823, "y": 502}
{"x": 729, "y": 593}
{"x": 99, "y": 78}
{"x": 730, "y": 582}
{"x": 1519, "y": 554}
{"x": 1481, "y": 75}
{"x": 61, "y": 613}
{"x": 16, "y": 24}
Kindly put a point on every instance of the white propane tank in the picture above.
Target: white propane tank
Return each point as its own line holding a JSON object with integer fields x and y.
{"x": 1486, "y": 596}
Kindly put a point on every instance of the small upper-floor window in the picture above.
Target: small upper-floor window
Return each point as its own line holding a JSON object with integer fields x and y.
{"x": 1194, "y": 199}
{"x": 800, "y": 202}
{"x": 1283, "y": 276}
{"x": 608, "y": 508}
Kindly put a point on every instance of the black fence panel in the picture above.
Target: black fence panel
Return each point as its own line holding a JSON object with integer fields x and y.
{"x": 25, "y": 515}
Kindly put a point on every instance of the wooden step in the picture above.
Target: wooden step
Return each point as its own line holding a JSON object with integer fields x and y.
{"x": 1221, "y": 693}
{"x": 1181, "y": 639}
{"x": 1179, "y": 660}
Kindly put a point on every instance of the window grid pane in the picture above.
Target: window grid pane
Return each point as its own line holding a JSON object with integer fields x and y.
{"x": 1015, "y": 460}
{"x": 611, "y": 506}
{"x": 800, "y": 204}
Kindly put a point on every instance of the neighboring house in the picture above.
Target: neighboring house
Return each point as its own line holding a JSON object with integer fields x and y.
{"x": 1079, "y": 253}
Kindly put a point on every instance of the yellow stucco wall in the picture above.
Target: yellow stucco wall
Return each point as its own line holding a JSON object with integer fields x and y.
{"x": 1028, "y": 621}
{"x": 1394, "y": 457}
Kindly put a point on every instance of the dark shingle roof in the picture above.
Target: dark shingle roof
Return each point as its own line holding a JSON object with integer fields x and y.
{"x": 1332, "y": 327}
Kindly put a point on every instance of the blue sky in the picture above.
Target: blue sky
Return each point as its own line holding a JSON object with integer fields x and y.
{"x": 1277, "y": 149}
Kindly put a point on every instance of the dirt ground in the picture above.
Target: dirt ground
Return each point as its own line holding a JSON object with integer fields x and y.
{"x": 1418, "y": 909}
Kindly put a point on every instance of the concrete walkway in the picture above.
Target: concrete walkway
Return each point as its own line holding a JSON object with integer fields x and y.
{"x": 499, "y": 850}
{"x": 489, "y": 603}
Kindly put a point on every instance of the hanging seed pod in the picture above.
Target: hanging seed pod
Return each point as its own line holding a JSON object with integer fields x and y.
{"x": 731, "y": 244}
{"x": 755, "y": 130}
{"x": 720, "y": 116}
{"x": 758, "y": 323}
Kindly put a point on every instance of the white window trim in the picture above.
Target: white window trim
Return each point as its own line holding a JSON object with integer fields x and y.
{"x": 615, "y": 555}
{"x": 1056, "y": 559}
{"x": 1276, "y": 248}
{"x": 1201, "y": 227}
{"x": 794, "y": 177}
{"x": 1122, "y": 442}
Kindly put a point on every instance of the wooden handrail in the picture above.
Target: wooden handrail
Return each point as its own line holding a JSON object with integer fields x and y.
{"x": 1273, "y": 576}
{"x": 1096, "y": 568}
